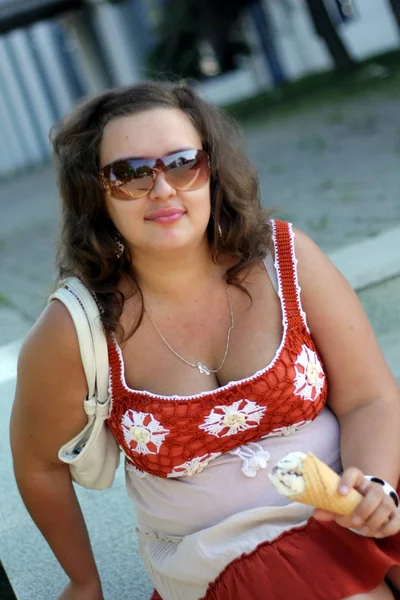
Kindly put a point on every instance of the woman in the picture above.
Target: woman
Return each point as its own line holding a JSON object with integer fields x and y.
{"x": 225, "y": 333}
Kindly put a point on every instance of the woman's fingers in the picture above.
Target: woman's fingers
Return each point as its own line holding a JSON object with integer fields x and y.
{"x": 379, "y": 518}
{"x": 352, "y": 478}
{"x": 375, "y": 515}
{"x": 370, "y": 503}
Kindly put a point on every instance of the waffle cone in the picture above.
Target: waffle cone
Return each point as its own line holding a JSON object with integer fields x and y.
{"x": 321, "y": 484}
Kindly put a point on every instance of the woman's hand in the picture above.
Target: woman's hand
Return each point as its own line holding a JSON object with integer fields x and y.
{"x": 82, "y": 591}
{"x": 376, "y": 515}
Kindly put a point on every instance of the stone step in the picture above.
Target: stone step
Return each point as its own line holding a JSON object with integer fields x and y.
{"x": 390, "y": 344}
{"x": 370, "y": 261}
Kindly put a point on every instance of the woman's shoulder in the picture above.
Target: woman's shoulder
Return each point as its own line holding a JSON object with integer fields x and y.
{"x": 52, "y": 342}
{"x": 51, "y": 388}
{"x": 315, "y": 269}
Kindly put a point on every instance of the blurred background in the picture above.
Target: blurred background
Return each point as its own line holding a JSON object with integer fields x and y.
{"x": 245, "y": 54}
{"x": 315, "y": 85}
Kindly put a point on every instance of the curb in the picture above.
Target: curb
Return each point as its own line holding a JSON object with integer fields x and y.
{"x": 370, "y": 261}
{"x": 391, "y": 343}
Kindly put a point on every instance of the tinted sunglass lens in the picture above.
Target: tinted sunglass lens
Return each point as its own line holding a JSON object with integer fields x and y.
{"x": 188, "y": 172}
{"x": 139, "y": 180}
{"x": 135, "y": 188}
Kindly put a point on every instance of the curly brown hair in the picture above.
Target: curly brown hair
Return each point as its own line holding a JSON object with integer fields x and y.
{"x": 238, "y": 225}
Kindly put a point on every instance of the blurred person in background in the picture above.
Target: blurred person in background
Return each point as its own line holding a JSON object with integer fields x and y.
{"x": 232, "y": 341}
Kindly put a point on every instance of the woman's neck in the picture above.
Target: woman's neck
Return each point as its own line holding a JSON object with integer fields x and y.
{"x": 176, "y": 276}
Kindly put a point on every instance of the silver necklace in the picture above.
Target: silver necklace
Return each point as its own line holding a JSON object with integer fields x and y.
{"x": 202, "y": 368}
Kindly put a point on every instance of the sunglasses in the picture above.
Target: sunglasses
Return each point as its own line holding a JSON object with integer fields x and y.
{"x": 132, "y": 178}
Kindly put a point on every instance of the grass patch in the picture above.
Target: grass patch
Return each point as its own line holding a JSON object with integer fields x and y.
{"x": 380, "y": 74}
{"x": 4, "y": 301}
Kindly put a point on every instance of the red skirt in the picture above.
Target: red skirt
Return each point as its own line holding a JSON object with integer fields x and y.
{"x": 319, "y": 561}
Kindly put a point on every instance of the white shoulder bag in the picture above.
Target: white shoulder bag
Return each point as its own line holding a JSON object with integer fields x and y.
{"x": 92, "y": 455}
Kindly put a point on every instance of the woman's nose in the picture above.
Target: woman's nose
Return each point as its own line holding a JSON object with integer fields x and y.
{"x": 161, "y": 189}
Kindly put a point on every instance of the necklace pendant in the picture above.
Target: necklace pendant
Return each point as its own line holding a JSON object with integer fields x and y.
{"x": 203, "y": 369}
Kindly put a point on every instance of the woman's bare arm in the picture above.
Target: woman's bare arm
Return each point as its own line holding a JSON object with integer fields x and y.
{"x": 47, "y": 412}
{"x": 362, "y": 392}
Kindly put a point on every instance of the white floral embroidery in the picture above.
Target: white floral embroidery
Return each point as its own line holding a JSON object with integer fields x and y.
{"x": 141, "y": 430}
{"x": 239, "y": 416}
{"x": 193, "y": 466}
{"x": 287, "y": 429}
{"x": 309, "y": 375}
{"x": 254, "y": 458}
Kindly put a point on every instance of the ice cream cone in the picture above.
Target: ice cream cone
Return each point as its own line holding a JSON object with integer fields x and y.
{"x": 321, "y": 488}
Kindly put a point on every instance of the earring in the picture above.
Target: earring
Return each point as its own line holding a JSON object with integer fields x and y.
{"x": 219, "y": 230}
{"x": 120, "y": 247}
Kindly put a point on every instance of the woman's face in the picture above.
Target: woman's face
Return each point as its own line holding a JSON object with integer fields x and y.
{"x": 144, "y": 222}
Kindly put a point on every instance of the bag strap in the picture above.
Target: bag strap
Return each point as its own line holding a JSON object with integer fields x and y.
{"x": 92, "y": 340}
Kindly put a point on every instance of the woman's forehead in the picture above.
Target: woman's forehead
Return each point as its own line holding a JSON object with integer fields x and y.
{"x": 151, "y": 133}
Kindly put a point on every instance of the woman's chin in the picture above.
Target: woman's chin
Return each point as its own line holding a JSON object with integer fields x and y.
{"x": 172, "y": 238}
{"x": 172, "y": 241}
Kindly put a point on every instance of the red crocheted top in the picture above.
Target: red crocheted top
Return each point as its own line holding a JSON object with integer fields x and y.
{"x": 172, "y": 436}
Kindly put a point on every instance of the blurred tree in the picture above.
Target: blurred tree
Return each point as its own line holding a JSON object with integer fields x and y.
{"x": 190, "y": 26}
{"x": 395, "y": 6}
{"x": 326, "y": 29}
{"x": 176, "y": 51}
{"x": 258, "y": 11}
{"x": 184, "y": 25}
{"x": 220, "y": 25}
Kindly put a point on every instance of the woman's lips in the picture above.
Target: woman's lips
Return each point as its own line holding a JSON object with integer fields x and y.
{"x": 165, "y": 215}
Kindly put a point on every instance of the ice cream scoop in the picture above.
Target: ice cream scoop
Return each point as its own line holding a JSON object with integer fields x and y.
{"x": 287, "y": 475}
{"x": 305, "y": 478}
